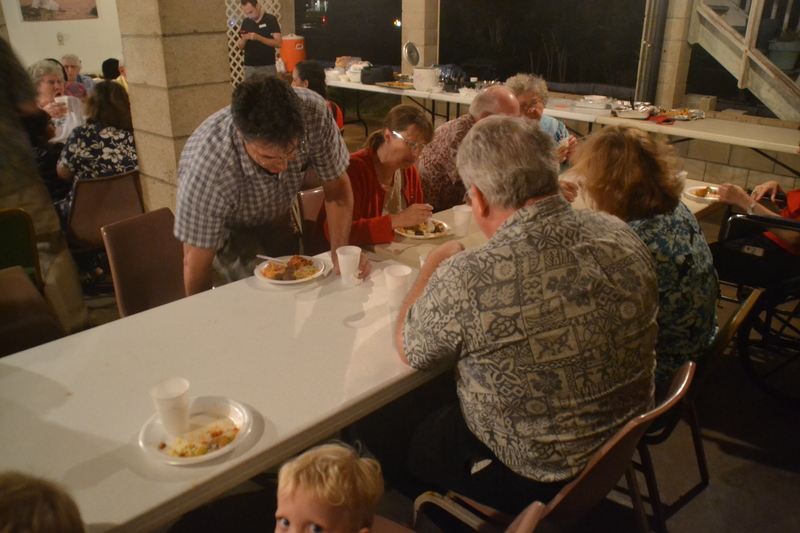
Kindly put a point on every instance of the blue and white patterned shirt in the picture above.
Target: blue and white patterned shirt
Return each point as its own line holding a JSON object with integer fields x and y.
{"x": 221, "y": 188}
{"x": 552, "y": 325}
{"x": 687, "y": 287}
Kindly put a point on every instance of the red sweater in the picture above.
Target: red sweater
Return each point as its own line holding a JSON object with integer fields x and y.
{"x": 369, "y": 226}
{"x": 792, "y": 210}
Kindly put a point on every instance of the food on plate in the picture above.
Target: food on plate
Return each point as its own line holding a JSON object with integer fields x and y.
{"x": 707, "y": 192}
{"x": 683, "y": 114}
{"x": 209, "y": 438}
{"x": 297, "y": 267}
{"x": 421, "y": 230}
{"x": 398, "y": 84}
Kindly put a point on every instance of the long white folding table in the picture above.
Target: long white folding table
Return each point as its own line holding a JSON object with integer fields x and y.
{"x": 408, "y": 250}
{"x": 307, "y": 360}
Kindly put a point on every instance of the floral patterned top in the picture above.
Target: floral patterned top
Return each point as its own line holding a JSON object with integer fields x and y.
{"x": 94, "y": 151}
{"x": 552, "y": 326}
{"x": 441, "y": 184}
{"x": 687, "y": 287}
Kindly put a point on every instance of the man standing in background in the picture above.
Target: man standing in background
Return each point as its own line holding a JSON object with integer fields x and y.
{"x": 259, "y": 35}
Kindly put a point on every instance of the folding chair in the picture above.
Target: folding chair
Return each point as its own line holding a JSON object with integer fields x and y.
{"x": 18, "y": 244}
{"x": 598, "y": 478}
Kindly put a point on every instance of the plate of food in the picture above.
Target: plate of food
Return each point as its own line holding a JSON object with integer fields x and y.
{"x": 705, "y": 194}
{"x": 683, "y": 114}
{"x": 298, "y": 269}
{"x": 395, "y": 84}
{"x": 218, "y": 425}
{"x": 422, "y": 231}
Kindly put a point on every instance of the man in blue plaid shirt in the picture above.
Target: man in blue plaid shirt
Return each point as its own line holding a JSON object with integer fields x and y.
{"x": 240, "y": 172}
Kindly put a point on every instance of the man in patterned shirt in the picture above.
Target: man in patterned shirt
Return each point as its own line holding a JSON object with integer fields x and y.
{"x": 441, "y": 184}
{"x": 240, "y": 172}
{"x": 551, "y": 325}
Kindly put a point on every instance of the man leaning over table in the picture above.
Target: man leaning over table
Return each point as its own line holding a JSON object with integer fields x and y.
{"x": 239, "y": 173}
{"x": 551, "y": 325}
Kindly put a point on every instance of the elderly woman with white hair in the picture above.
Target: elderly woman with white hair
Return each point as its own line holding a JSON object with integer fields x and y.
{"x": 531, "y": 91}
{"x": 72, "y": 65}
{"x": 48, "y": 78}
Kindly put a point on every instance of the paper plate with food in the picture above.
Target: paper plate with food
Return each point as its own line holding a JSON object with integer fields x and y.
{"x": 705, "y": 194}
{"x": 426, "y": 230}
{"x": 291, "y": 269}
{"x": 218, "y": 425}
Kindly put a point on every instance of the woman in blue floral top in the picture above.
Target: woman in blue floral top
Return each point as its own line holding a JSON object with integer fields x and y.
{"x": 632, "y": 176}
{"x": 104, "y": 145}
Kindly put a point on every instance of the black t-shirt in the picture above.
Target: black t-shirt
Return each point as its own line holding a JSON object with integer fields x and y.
{"x": 258, "y": 54}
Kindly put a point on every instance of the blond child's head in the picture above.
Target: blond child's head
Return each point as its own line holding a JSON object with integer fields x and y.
{"x": 32, "y": 505}
{"x": 328, "y": 489}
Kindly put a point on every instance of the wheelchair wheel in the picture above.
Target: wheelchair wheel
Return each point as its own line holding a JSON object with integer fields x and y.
{"x": 768, "y": 345}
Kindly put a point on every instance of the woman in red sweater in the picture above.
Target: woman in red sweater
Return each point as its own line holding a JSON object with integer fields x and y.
{"x": 387, "y": 193}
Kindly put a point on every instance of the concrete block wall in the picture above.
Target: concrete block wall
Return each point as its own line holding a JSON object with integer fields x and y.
{"x": 421, "y": 26}
{"x": 178, "y": 73}
{"x": 675, "y": 55}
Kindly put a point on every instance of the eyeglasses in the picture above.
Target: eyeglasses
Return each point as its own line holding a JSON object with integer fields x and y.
{"x": 411, "y": 144}
{"x": 299, "y": 151}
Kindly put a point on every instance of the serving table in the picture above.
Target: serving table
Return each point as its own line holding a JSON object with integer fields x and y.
{"x": 408, "y": 250}
{"x": 306, "y": 359}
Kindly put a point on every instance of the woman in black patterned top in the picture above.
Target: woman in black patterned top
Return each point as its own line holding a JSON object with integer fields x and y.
{"x": 104, "y": 145}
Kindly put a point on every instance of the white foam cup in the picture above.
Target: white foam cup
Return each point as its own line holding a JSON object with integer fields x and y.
{"x": 62, "y": 100}
{"x": 462, "y": 214}
{"x": 398, "y": 278}
{"x": 171, "y": 397}
{"x": 349, "y": 256}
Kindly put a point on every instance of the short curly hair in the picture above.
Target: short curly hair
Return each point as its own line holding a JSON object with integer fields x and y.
{"x": 528, "y": 83}
{"x": 43, "y": 68}
{"x": 628, "y": 174}
{"x": 335, "y": 474}
{"x": 266, "y": 109}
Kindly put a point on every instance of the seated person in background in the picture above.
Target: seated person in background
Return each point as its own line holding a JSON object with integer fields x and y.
{"x": 104, "y": 145}
{"x": 31, "y": 505}
{"x": 780, "y": 260}
{"x": 441, "y": 183}
{"x": 328, "y": 489}
{"x": 386, "y": 190}
{"x": 632, "y": 176}
{"x": 110, "y": 69}
{"x": 47, "y": 76}
{"x": 311, "y": 75}
{"x": 551, "y": 325}
{"x": 72, "y": 64}
{"x": 40, "y": 130}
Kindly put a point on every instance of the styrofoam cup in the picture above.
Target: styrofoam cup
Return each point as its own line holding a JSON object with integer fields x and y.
{"x": 62, "y": 100}
{"x": 462, "y": 214}
{"x": 349, "y": 256}
{"x": 398, "y": 278}
{"x": 171, "y": 397}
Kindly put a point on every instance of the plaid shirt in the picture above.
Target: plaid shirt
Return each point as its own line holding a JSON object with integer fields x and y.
{"x": 221, "y": 188}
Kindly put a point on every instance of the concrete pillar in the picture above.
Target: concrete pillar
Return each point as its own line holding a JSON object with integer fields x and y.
{"x": 176, "y": 56}
{"x": 421, "y": 25}
{"x": 675, "y": 55}
{"x": 3, "y": 26}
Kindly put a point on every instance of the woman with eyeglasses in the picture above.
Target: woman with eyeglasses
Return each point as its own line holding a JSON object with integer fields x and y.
{"x": 632, "y": 176}
{"x": 387, "y": 193}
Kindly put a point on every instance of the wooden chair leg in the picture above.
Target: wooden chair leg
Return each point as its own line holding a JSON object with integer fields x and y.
{"x": 652, "y": 488}
{"x": 636, "y": 500}
{"x": 697, "y": 439}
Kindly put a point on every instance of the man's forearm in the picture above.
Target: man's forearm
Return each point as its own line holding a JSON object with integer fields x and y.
{"x": 339, "y": 208}
{"x": 197, "y": 269}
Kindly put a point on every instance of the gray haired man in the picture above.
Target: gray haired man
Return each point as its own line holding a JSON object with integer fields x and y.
{"x": 551, "y": 326}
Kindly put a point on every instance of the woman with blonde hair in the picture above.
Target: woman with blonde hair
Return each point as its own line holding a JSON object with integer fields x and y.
{"x": 630, "y": 175}
{"x": 387, "y": 192}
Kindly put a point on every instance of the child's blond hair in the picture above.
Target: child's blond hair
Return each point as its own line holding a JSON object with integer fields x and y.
{"x": 336, "y": 475}
{"x": 32, "y": 505}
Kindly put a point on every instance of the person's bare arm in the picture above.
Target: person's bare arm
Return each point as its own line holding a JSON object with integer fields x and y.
{"x": 438, "y": 255}
{"x": 197, "y": 268}
{"x": 339, "y": 207}
{"x": 735, "y": 195}
{"x": 63, "y": 173}
{"x": 275, "y": 42}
